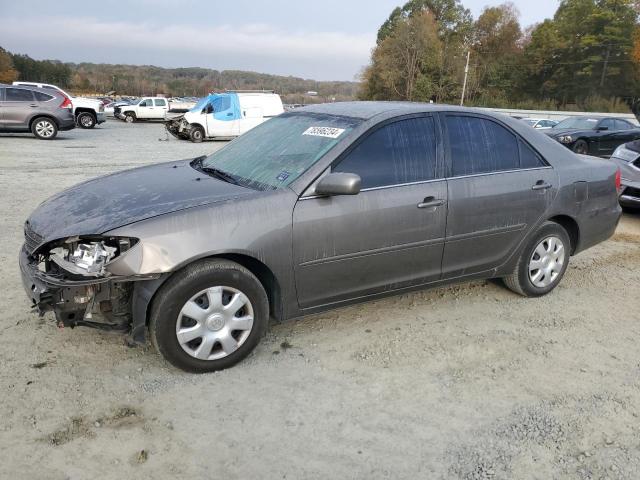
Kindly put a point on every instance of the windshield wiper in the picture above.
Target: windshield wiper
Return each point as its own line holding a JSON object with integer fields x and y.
{"x": 214, "y": 172}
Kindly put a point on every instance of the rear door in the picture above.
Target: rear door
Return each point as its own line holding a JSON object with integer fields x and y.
{"x": 498, "y": 189}
{"x": 388, "y": 236}
{"x": 161, "y": 108}
{"x": 18, "y": 106}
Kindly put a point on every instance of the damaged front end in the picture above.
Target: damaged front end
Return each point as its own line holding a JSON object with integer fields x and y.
{"x": 83, "y": 280}
{"x": 179, "y": 127}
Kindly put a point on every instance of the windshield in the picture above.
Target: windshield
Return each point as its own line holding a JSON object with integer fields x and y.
{"x": 200, "y": 105}
{"x": 578, "y": 123}
{"x": 277, "y": 152}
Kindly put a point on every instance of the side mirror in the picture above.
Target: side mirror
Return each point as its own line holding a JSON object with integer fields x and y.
{"x": 207, "y": 109}
{"x": 339, "y": 184}
{"x": 602, "y": 129}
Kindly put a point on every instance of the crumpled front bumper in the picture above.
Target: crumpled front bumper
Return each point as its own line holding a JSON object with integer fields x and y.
{"x": 179, "y": 127}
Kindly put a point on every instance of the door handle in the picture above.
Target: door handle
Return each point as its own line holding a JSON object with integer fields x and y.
{"x": 431, "y": 202}
{"x": 541, "y": 185}
{"x": 33, "y": 105}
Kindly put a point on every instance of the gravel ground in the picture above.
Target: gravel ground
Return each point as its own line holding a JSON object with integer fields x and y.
{"x": 465, "y": 382}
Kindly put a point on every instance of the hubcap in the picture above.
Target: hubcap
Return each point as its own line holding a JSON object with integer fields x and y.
{"x": 546, "y": 262}
{"x": 86, "y": 121}
{"x": 44, "y": 129}
{"x": 214, "y": 323}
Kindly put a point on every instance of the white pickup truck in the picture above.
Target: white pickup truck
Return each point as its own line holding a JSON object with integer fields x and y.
{"x": 88, "y": 112}
{"x": 147, "y": 108}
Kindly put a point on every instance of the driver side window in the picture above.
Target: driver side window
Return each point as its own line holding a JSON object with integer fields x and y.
{"x": 395, "y": 154}
{"x": 608, "y": 123}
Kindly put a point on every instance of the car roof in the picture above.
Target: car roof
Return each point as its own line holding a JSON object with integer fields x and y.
{"x": 368, "y": 110}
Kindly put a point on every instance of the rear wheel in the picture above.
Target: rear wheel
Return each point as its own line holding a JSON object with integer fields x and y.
{"x": 86, "y": 120}
{"x": 209, "y": 316}
{"x": 542, "y": 263}
{"x": 197, "y": 134}
{"x": 44, "y": 128}
{"x": 581, "y": 147}
{"x": 130, "y": 117}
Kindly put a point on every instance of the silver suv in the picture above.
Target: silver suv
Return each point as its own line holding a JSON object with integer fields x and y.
{"x": 41, "y": 112}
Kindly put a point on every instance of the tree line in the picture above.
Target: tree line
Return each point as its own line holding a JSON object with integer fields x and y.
{"x": 141, "y": 80}
{"x": 586, "y": 57}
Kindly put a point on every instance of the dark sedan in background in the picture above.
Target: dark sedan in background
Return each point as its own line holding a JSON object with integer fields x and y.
{"x": 314, "y": 209}
{"x": 627, "y": 157}
{"x": 594, "y": 135}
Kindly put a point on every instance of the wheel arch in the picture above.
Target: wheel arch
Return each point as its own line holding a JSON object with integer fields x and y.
{"x": 572, "y": 228}
{"x": 145, "y": 292}
{"x": 44, "y": 115}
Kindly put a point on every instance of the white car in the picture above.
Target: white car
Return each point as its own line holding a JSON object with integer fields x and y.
{"x": 147, "y": 108}
{"x": 87, "y": 112}
{"x": 540, "y": 123}
{"x": 226, "y": 115}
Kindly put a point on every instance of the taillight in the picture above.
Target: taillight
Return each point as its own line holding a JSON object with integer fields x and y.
{"x": 66, "y": 103}
{"x": 618, "y": 180}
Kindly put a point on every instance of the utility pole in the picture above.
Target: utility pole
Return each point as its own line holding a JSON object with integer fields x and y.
{"x": 466, "y": 73}
{"x": 604, "y": 68}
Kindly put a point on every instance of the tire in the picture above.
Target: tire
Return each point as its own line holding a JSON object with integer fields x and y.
{"x": 130, "y": 117}
{"x": 44, "y": 128}
{"x": 209, "y": 290}
{"x": 86, "y": 120}
{"x": 528, "y": 281}
{"x": 581, "y": 147}
{"x": 196, "y": 135}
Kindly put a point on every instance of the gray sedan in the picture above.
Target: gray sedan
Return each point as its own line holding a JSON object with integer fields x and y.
{"x": 317, "y": 208}
{"x": 627, "y": 157}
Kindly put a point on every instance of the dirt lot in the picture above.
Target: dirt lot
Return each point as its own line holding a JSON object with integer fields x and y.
{"x": 469, "y": 382}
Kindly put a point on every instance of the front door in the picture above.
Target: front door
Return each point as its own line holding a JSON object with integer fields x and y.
{"x": 146, "y": 110}
{"x": 223, "y": 118}
{"x": 498, "y": 189}
{"x": 388, "y": 236}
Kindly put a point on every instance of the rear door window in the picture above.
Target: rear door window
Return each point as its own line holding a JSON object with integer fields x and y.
{"x": 622, "y": 125}
{"x": 398, "y": 153}
{"x": 480, "y": 145}
{"x": 160, "y": 102}
{"x": 18, "y": 95}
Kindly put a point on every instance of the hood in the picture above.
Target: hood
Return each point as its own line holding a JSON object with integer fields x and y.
{"x": 557, "y": 132}
{"x": 122, "y": 198}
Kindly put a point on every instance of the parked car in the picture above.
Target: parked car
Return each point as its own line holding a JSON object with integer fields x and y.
{"x": 36, "y": 110}
{"x": 627, "y": 157}
{"x": 540, "y": 123}
{"x": 87, "y": 112}
{"x": 109, "y": 109}
{"x": 594, "y": 136}
{"x": 317, "y": 208}
{"x": 225, "y": 115}
{"x": 147, "y": 108}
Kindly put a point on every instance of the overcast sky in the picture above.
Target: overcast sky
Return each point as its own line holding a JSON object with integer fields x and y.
{"x": 323, "y": 40}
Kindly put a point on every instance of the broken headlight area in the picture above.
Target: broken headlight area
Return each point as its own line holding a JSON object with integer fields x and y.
{"x": 87, "y": 256}
{"x": 70, "y": 277}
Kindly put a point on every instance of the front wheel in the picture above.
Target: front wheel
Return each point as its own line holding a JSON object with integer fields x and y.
{"x": 130, "y": 117}
{"x": 581, "y": 147}
{"x": 197, "y": 134}
{"x": 86, "y": 120}
{"x": 542, "y": 263}
{"x": 44, "y": 128}
{"x": 209, "y": 316}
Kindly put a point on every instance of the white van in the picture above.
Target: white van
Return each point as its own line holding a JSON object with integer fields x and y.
{"x": 226, "y": 115}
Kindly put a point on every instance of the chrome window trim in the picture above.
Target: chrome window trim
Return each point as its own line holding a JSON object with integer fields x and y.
{"x": 498, "y": 172}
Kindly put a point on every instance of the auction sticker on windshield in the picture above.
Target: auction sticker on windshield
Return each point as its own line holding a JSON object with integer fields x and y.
{"x": 329, "y": 132}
